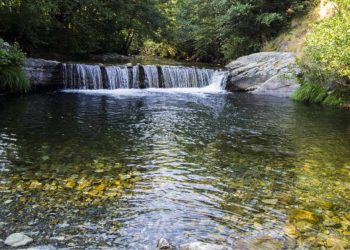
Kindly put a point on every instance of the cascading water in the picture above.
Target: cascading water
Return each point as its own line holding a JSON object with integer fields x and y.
{"x": 183, "y": 77}
{"x": 117, "y": 77}
{"x": 80, "y": 76}
{"x": 152, "y": 76}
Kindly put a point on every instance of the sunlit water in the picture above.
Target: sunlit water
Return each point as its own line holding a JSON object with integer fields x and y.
{"x": 124, "y": 168}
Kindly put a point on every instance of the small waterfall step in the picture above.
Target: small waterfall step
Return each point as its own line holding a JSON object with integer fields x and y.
{"x": 84, "y": 76}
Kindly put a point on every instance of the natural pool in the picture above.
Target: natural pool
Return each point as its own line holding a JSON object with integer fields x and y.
{"x": 123, "y": 169}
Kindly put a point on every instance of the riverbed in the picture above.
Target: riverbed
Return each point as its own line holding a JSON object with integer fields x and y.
{"x": 96, "y": 169}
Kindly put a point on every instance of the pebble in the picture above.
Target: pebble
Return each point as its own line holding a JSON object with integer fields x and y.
{"x": 17, "y": 240}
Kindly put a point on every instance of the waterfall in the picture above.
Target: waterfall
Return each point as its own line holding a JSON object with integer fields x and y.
{"x": 186, "y": 77}
{"x": 218, "y": 80}
{"x": 152, "y": 76}
{"x": 82, "y": 76}
{"x": 117, "y": 77}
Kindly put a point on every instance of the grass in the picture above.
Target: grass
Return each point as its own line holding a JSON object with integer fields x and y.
{"x": 316, "y": 94}
{"x": 13, "y": 79}
{"x": 310, "y": 93}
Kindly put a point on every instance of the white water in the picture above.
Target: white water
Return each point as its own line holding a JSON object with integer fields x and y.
{"x": 217, "y": 86}
{"x": 153, "y": 78}
{"x": 117, "y": 77}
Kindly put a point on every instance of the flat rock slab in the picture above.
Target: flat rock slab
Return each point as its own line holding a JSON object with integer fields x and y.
{"x": 17, "y": 240}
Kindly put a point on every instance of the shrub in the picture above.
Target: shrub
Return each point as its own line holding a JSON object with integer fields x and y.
{"x": 12, "y": 77}
{"x": 326, "y": 59}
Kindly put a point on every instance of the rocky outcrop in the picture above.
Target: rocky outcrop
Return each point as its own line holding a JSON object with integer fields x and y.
{"x": 266, "y": 73}
{"x": 43, "y": 73}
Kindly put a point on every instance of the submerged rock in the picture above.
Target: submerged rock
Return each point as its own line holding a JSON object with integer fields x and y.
{"x": 202, "y": 246}
{"x": 264, "y": 242}
{"x": 163, "y": 244}
{"x": 266, "y": 73}
{"x": 17, "y": 240}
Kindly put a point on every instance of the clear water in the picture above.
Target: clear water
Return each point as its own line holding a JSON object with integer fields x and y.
{"x": 124, "y": 168}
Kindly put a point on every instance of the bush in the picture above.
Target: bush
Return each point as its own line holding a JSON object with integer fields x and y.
{"x": 12, "y": 77}
{"x": 326, "y": 59}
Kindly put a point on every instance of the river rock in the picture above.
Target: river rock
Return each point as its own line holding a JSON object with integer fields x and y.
{"x": 43, "y": 73}
{"x": 265, "y": 73}
{"x": 17, "y": 240}
{"x": 163, "y": 244}
{"x": 202, "y": 246}
{"x": 264, "y": 242}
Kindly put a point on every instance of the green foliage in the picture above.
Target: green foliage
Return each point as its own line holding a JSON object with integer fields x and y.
{"x": 310, "y": 93}
{"x": 210, "y": 30}
{"x": 328, "y": 44}
{"x": 315, "y": 94}
{"x": 10, "y": 55}
{"x": 12, "y": 77}
{"x": 326, "y": 59}
{"x": 14, "y": 80}
{"x": 80, "y": 27}
{"x": 333, "y": 100}
{"x": 200, "y": 30}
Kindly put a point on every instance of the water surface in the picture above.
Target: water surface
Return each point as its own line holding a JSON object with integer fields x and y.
{"x": 123, "y": 169}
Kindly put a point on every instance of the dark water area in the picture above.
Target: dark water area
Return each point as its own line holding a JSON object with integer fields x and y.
{"x": 94, "y": 170}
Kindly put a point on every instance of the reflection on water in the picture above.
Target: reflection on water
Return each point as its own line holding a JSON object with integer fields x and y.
{"x": 118, "y": 170}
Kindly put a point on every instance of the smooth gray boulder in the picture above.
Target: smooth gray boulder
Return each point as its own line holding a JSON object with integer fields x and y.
{"x": 265, "y": 73}
{"x": 17, "y": 240}
{"x": 43, "y": 73}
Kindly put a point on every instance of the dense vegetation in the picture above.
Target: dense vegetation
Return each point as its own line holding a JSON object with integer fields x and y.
{"x": 201, "y": 30}
{"x": 12, "y": 77}
{"x": 326, "y": 60}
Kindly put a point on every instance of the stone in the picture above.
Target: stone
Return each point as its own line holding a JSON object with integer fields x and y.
{"x": 265, "y": 73}
{"x": 163, "y": 244}
{"x": 43, "y": 74}
{"x": 291, "y": 231}
{"x": 336, "y": 244}
{"x": 35, "y": 185}
{"x": 202, "y": 246}
{"x": 270, "y": 201}
{"x": 263, "y": 242}
{"x": 302, "y": 215}
{"x": 17, "y": 240}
